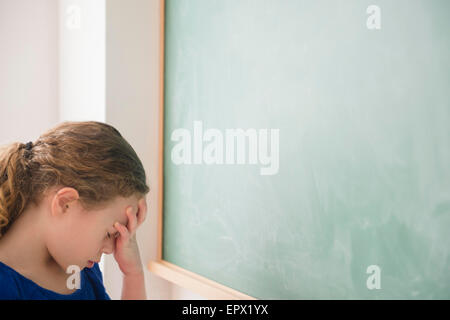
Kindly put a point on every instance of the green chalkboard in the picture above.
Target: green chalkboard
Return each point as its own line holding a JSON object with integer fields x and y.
{"x": 344, "y": 190}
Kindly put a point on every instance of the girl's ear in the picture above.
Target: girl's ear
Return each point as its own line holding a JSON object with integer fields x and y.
{"x": 62, "y": 199}
{"x": 142, "y": 210}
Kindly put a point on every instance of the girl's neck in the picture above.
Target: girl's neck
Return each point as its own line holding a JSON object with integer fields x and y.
{"x": 23, "y": 246}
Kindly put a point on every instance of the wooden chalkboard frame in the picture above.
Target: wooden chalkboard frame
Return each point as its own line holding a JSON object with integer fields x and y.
{"x": 173, "y": 273}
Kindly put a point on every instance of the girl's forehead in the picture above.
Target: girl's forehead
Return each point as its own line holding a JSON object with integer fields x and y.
{"x": 116, "y": 211}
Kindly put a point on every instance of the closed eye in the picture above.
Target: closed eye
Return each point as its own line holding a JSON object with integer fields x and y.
{"x": 114, "y": 235}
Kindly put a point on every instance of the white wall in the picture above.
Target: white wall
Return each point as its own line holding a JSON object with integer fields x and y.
{"x": 28, "y": 69}
{"x": 82, "y": 59}
{"x": 132, "y": 106}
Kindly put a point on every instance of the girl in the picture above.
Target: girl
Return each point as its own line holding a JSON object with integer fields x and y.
{"x": 65, "y": 199}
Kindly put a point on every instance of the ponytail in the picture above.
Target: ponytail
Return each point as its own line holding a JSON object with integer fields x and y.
{"x": 14, "y": 183}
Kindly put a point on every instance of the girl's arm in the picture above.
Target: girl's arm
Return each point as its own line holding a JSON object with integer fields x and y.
{"x": 134, "y": 287}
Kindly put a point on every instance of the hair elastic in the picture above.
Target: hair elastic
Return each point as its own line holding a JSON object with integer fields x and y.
{"x": 29, "y": 145}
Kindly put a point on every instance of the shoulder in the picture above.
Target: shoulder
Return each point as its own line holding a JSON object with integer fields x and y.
{"x": 9, "y": 289}
{"x": 95, "y": 277}
{"x": 95, "y": 273}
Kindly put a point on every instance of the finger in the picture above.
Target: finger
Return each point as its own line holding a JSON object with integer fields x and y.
{"x": 142, "y": 211}
{"x": 122, "y": 230}
{"x": 132, "y": 220}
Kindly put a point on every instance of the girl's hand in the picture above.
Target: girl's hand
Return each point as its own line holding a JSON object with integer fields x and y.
{"x": 126, "y": 250}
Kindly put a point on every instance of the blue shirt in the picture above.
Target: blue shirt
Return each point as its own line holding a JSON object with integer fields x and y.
{"x": 14, "y": 286}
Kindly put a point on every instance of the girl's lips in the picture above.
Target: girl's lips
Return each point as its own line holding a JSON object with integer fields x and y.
{"x": 90, "y": 264}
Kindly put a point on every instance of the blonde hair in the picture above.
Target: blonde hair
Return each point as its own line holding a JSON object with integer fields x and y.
{"x": 91, "y": 157}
